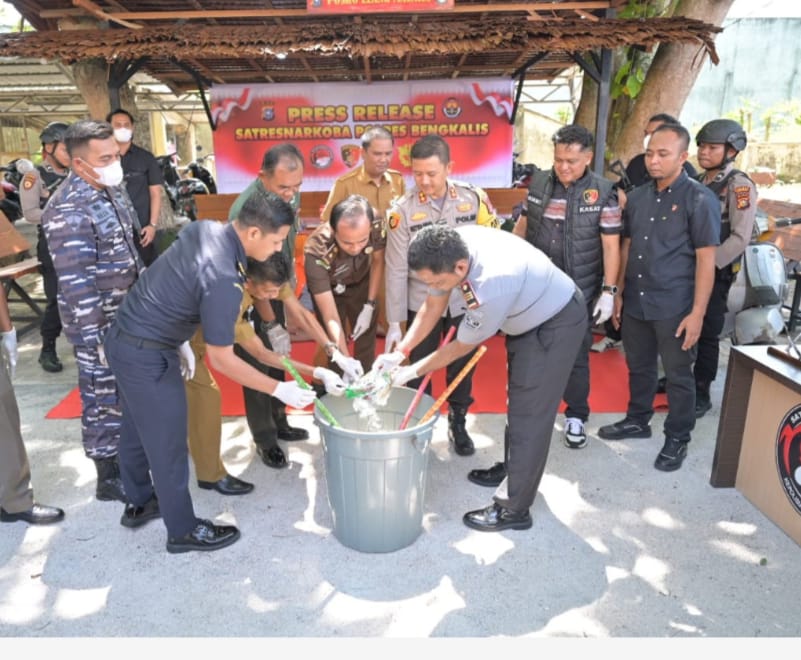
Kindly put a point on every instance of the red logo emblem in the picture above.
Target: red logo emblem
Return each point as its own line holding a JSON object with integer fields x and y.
{"x": 788, "y": 456}
{"x": 590, "y": 196}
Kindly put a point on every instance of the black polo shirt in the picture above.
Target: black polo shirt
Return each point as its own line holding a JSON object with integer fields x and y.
{"x": 197, "y": 281}
{"x": 666, "y": 228}
{"x": 141, "y": 170}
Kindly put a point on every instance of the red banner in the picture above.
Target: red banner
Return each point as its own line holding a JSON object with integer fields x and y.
{"x": 375, "y": 6}
{"x": 326, "y": 123}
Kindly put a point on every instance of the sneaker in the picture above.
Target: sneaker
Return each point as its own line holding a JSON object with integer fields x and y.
{"x": 625, "y": 428}
{"x": 672, "y": 455}
{"x": 604, "y": 344}
{"x": 575, "y": 436}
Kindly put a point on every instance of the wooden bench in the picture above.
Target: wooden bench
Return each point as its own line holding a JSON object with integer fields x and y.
{"x": 216, "y": 207}
{"x": 14, "y": 250}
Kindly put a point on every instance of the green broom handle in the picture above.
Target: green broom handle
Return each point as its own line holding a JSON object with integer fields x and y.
{"x": 299, "y": 380}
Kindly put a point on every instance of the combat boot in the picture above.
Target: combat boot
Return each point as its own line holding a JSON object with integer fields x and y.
{"x": 109, "y": 483}
{"x": 457, "y": 433}
{"x": 48, "y": 357}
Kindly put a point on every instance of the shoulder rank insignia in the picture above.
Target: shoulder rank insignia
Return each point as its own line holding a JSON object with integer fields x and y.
{"x": 469, "y": 295}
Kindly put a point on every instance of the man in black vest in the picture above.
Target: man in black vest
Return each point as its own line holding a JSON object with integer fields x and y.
{"x": 574, "y": 218}
{"x": 35, "y": 190}
{"x": 719, "y": 141}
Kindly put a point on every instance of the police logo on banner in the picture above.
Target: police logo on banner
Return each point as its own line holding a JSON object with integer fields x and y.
{"x": 788, "y": 456}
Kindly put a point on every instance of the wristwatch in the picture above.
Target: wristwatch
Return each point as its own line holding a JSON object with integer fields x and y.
{"x": 609, "y": 288}
{"x": 370, "y": 302}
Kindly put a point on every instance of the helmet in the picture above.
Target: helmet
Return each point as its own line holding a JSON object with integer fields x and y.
{"x": 53, "y": 132}
{"x": 723, "y": 131}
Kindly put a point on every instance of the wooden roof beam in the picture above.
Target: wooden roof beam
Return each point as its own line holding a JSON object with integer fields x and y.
{"x": 303, "y": 13}
{"x": 97, "y": 12}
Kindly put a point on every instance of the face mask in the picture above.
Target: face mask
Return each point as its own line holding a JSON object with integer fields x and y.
{"x": 110, "y": 175}
{"x": 123, "y": 134}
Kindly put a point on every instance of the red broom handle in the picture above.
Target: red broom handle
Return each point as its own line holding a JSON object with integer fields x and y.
{"x": 419, "y": 394}
{"x": 438, "y": 403}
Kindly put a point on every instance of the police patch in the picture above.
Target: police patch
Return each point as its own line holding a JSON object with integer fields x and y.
{"x": 394, "y": 220}
{"x": 743, "y": 196}
{"x": 474, "y": 319}
{"x": 28, "y": 180}
{"x": 590, "y": 196}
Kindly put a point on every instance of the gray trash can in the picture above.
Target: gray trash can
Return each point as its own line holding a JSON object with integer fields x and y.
{"x": 377, "y": 479}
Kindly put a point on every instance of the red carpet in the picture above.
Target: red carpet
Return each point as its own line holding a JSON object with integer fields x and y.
{"x": 608, "y": 386}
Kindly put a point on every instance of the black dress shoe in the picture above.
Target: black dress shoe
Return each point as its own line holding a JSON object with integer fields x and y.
{"x": 490, "y": 477}
{"x": 672, "y": 455}
{"x": 136, "y": 516}
{"x": 38, "y": 514}
{"x": 206, "y": 536}
{"x": 228, "y": 485}
{"x": 496, "y": 518}
{"x": 625, "y": 428}
{"x": 272, "y": 456}
{"x": 292, "y": 433}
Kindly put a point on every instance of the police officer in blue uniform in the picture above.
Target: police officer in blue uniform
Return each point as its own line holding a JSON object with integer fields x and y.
{"x": 88, "y": 224}
{"x": 198, "y": 281}
{"x": 35, "y": 190}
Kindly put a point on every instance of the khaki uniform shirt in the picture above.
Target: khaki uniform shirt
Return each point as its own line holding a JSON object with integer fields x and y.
{"x": 357, "y": 182}
{"x": 463, "y": 204}
{"x": 330, "y": 269}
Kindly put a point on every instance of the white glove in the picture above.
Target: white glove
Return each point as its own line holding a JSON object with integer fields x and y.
{"x": 333, "y": 383}
{"x": 603, "y": 308}
{"x": 388, "y": 362}
{"x": 363, "y": 321}
{"x": 403, "y": 375}
{"x": 101, "y": 355}
{"x": 351, "y": 367}
{"x": 293, "y": 394}
{"x": 279, "y": 339}
{"x": 393, "y": 336}
{"x": 9, "y": 349}
{"x": 187, "y": 358}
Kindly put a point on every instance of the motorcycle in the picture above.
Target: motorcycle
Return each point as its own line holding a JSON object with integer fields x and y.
{"x": 198, "y": 170}
{"x": 759, "y": 290}
{"x": 180, "y": 191}
{"x": 10, "y": 183}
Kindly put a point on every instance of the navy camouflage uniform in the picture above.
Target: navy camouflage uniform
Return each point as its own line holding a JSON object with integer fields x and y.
{"x": 36, "y": 188}
{"x": 90, "y": 236}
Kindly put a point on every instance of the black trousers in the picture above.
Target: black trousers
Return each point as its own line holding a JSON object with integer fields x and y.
{"x": 460, "y": 397}
{"x": 643, "y": 341}
{"x": 153, "y": 451}
{"x": 261, "y": 408}
{"x": 706, "y": 362}
{"x": 538, "y": 366}
{"x": 577, "y": 391}
{"x": 50, "y": 328}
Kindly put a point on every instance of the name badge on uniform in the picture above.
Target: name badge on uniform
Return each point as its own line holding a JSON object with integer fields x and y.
{"x": 339, "y": 289}
{"x": 469, "y": 295}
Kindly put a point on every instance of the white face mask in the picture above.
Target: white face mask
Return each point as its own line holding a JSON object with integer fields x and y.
{"x": 123, "y": 134}
{"x": 110, "y": 175}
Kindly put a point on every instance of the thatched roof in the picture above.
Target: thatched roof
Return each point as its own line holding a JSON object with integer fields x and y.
{"x": 286, "y": 44}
